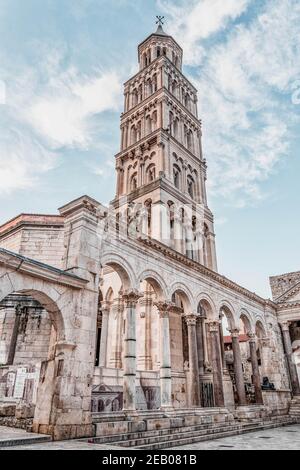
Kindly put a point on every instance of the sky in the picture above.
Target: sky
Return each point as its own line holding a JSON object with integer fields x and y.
{"x": 62, "y": 67}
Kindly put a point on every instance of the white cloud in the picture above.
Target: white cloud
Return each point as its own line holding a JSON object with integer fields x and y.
{"x": 61, "y": 112}
{"x": 22, "y": 160}
{"x": 242, "y": 84}
{"x": 47, "y": 110}
{"x": 195, "y": 20}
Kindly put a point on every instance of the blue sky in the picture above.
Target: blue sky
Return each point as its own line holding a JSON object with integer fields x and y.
{"x": 62, "y": 65}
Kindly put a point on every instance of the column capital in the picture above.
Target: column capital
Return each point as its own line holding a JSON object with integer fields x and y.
{"x": 214, "y": 326}
{"x": 252, "y": 337}
{"x": 163, "y": 308}
{"x": 285, "y": 325}
{"x": 191, "y": 319}
{"x": 131, "y": 297}
{"x": 235, "y": 332}
{"x": 105, "y": 306}
{"x": 174, "y": 308}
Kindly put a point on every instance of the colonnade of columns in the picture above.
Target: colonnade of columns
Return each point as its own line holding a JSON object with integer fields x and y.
{"x": 204, "y": 345}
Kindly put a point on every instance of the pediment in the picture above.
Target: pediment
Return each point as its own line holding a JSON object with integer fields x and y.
{"x": 291, "y": 295}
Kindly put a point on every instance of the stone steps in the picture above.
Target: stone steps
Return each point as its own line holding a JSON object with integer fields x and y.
{"x": 210, "y": 435}
{"x": 13, "y": 442}
{"x": 295, "y": 408}
{"x": 181, "y": 435}
{"x": 155, "y": 433}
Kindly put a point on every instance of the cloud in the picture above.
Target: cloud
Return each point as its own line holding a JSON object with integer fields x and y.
{"x": 22, "y": 160}
{"x": 196, "y": 20}
{"x": 48, "y": 109}
{"x": 244, "y": 83}
{"x": 61, "y": 113}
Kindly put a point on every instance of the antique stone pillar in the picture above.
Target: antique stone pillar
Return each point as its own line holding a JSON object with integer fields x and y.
{"x": 116, "y": 346}
{"x": 255, "y": 369}
{"x": 130, "y": 299}
{"x": 165, "y": 355}
{"x": 289, "y": 355}
{"x": 144, "y": 347}
{"x": 238, "y": 368}
{"x": 222, "y": 343}
{"x": 194, "y": 399}
{"x": 200, "y": 343}
{"x": 14, "y": 336}
{"x": 214, "y": 330}
{"x": 105, "y": 307}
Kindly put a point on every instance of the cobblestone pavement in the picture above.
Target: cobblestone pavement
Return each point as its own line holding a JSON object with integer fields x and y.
{"x": 284, "y": 438}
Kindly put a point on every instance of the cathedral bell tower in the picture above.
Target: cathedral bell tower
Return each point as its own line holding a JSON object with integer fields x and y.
{"x": 161, "y": 172}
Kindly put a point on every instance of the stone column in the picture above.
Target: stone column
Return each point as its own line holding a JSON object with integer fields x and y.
{"x": 165, "y": 356}
{"x": 238, "y": 368}
{"x": 222, "y": 343}
{"x": 105, "y": 307}
{"x": 289, "y": 355}
{"x": 214, "y": 330}
{"x": 14, "y": 336}
{"x": 115, "y": 358}
{"x": 200, "y": 344}
{"x": 129, "y": 396}
{"x": 255, "y": 369}
{"x": 194, "y": 398}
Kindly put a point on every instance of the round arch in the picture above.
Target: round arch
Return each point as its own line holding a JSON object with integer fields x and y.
{"x": 186, "y": 296}
{"x": 208, "y": 304}
{"x": 157, "y": 283}
{"x": 46, "y": 295}
{"x": 260, "y": 329}
{"x": 229, "y": 312}
{"x": 122, "y": 268}
{"x": 245, "y": 318}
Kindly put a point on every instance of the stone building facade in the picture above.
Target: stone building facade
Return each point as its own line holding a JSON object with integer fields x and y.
{"x": 121, "y": 310}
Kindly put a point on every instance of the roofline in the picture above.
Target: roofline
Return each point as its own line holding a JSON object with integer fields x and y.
{"x": 25, "y": 214}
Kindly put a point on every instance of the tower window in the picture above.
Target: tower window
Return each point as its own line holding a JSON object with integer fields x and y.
{"x": 191, "y": 186}
{"x": 133, "y": 182}
{"x": 176, "y": 176}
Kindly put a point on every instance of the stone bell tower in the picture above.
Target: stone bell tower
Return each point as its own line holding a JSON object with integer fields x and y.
{"x": 161, "y": 172}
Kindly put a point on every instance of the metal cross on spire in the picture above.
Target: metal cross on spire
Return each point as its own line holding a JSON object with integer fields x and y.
{"x": 160, "y": 20}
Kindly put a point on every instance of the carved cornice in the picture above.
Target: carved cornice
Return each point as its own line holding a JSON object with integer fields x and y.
{"x": 288, "y": 305}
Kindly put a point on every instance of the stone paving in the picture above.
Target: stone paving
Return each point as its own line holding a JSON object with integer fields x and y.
{"x": 284, "y": 438}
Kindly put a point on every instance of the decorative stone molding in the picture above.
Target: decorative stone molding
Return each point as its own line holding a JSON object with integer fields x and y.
{"x": 131, "y": 297}
{"x": 252, "y": 337}
{"x": 163, "y": 308}
{"x": 191, "y": 319}
{"x": 235, "y": 332}
{"x": 214, "y": 326}
{"x": 285, "y": 325}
